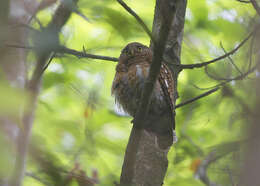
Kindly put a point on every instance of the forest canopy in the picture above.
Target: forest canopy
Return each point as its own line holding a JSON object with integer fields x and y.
{"x": 75, "y": 129}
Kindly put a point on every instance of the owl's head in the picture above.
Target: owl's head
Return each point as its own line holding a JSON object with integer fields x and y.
{"x": 134, "y": 50}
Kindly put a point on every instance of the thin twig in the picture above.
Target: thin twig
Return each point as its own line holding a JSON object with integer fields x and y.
{"x": 217, "y": 153}
{"x": 48, "y": 63}
{"x": 139, "y": 20}
{"x": 240, "y": 77}
{"x": 214, "y": 77}
{"x": 81, "y": 15}
{"x": 199, "y": 65}
{"x": 83, "y": 54}
{"x": 38, "y": 22}
{"x": 65, "y": 50}
{"x": 36, "y": 19}
{"x": 197, "y": 97}
{"x": 230, "y": 59}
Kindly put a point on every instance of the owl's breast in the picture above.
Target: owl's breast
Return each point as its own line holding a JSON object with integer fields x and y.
{"x": 137, "y": 75}
{"x": 127, "y": 86}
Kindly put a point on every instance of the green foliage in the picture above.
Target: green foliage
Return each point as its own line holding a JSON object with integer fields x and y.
{"x": 76, "y": 120}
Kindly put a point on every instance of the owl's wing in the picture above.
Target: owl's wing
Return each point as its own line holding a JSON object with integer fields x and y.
{"x": 167, "y": 85}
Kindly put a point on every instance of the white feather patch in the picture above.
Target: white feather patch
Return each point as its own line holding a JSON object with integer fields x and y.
{"x": 166, "y": 83}
{"x": 139, "y": 71}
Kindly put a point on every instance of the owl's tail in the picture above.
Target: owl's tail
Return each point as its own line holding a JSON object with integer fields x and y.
{"x": 162, "y": 125}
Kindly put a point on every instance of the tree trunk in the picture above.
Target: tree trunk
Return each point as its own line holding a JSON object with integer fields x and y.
{"x": 150, "y": 162}
{"x": 250, "y": 170}
{"x": 13, "y": 63}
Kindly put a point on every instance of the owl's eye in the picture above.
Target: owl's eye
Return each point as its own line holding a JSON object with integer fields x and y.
{"x": 139, "y": 49}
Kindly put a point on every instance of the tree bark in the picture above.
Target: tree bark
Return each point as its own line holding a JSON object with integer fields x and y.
{"x": 250, "y": 170}
{"x": 173, "y": 46}
{"x": 150, "y": 164}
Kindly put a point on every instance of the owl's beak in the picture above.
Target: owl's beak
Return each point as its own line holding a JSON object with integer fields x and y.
{"x": 131, "y": 52}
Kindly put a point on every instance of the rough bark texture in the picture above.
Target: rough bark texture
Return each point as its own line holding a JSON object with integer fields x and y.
{"x": 250, "y": 170}
{"x": 173, "y": 47}
{"x": 151, "y": 162}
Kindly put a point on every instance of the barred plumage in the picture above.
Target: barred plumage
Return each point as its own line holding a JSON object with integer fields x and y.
{"x": 131, "y": 72}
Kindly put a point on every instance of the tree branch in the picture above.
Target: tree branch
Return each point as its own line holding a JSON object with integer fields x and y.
{"x": 256, "y": 7}
{"x": 65, "y": 50}
{"x": 49, "y": 62}
{"x": 217, "y": 153}
{"x": 230, "y": 59}
{"x": 197, "y": 98}
{"x": 60, "y": 17}
{"x": 199, "y": 65}
{"x": 139, "y": 20}
{"x": 240, "y": 77}
{"x": 217, "y": 87}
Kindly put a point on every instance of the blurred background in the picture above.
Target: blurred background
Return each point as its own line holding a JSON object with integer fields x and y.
{"x": 78, "y": 132}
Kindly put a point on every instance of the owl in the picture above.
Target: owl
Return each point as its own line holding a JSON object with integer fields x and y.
{"x": 131, "y": 73}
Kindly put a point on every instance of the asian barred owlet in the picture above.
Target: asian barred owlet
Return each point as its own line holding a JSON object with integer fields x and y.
{"x": 131, "y": 73}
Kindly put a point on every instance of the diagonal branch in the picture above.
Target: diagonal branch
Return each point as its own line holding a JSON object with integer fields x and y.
{"x": 239, "y": 77}
{"x": 49, "y": 62}
{"x": 139, "y": 20}
{"x": 214, "y": 76}
{"x": 197, "y": 98}
{"x": 217, "y": 153}
{"x": 217, "y": 87}
{"x": 199, "y": 65}
{"x": 230, "y": 59}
